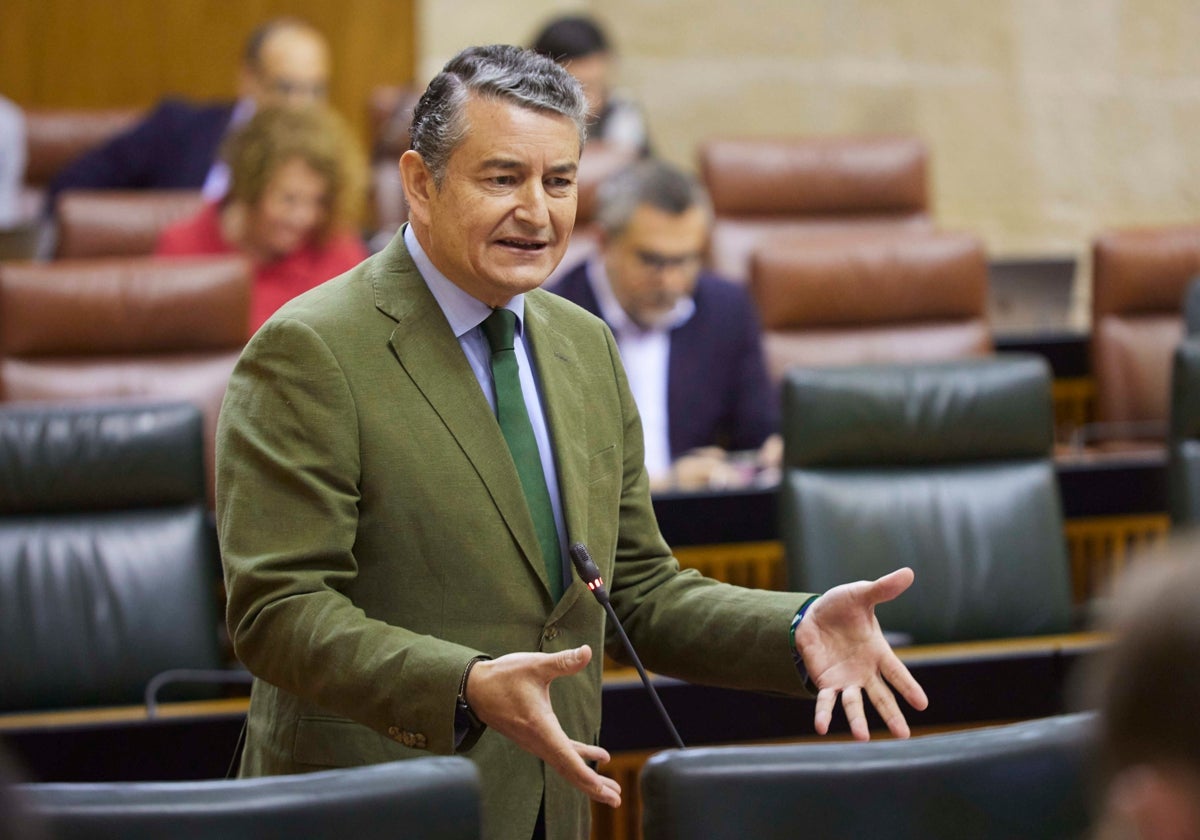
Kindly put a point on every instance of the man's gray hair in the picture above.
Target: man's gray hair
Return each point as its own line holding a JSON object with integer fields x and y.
{"x": 498, "y": 72}
{"x": 652, "y": 182}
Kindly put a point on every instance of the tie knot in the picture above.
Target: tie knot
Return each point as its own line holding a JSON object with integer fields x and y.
{"x": 499, "y": 328}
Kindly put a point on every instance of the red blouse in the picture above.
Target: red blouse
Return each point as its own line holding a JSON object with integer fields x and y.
{"x": 275, "y": 282}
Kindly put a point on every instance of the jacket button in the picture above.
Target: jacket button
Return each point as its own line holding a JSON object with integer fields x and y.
{"x": 407, "y": 739}
{"x": 551, "y": 633}
{"x": 419, "y": 741}
{"x": 393, "y": 731}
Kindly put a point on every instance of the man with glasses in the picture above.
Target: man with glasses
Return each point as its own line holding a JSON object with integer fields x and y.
{"x": 690, "y": 341}
{"x": 285, "y": 62}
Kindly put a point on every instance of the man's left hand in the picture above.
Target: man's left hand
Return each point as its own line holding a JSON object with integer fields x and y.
{"x": 845, "y": 653}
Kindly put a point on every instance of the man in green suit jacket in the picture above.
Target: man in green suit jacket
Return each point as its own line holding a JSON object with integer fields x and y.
{"x": 385, "y": 581}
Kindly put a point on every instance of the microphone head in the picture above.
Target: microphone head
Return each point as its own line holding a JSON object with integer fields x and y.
{"x": 588, "y": 572}
{"x": 584, "y": 564}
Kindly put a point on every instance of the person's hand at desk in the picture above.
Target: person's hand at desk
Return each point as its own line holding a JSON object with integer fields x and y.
{"x": 714, "y": 468}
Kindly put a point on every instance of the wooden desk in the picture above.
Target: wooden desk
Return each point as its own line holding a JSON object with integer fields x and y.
{"x": 967, "y": 684}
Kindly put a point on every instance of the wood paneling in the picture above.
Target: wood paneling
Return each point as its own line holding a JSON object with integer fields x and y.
{"x": 70, "y": 53}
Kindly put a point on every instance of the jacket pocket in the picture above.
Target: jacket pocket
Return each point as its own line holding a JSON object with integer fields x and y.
{"x": 336, "y": 742}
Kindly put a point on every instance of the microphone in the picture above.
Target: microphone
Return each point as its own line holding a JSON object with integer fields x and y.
{"x": 590, "y": 575}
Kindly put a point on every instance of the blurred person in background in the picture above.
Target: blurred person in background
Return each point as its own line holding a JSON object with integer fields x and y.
{"x": 1147, "y": 689}
{"x": 285, "y": 62}
{"x": 579, "y": 44}
{"x": 12, "y": 161}
{"x": 690, "y": 341}
{"x": 296, "y": 192}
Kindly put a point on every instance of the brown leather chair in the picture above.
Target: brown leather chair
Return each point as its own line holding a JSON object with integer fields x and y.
{"x": 143, "y": 327}
{"x": 56, "y": 136}
{"x": 767, "y": 186}
{"x": 1139, "y": 280}
{"x": 116, "y": 223}
{"x": 862, "y": 298}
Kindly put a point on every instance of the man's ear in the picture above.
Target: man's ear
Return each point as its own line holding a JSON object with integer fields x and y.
{"x": 418, "y": 185}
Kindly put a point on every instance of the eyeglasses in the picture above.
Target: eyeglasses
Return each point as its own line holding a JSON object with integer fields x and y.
{"x": 654, "y": 261}
{"x": 290, "y": 90}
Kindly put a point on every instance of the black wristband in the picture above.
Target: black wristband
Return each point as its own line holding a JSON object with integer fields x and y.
{"x": 462, "y": 705}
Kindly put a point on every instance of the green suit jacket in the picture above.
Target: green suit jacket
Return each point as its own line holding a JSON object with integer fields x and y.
{"x": 375, "y": 538}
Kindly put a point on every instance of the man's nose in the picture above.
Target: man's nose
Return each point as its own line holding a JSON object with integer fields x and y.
{"x": 532, "y": 206}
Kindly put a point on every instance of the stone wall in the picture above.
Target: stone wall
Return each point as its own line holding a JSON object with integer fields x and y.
{"x": 1047, "y": 120}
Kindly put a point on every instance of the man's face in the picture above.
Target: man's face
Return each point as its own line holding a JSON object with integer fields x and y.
{"x": 655, "y": 261}
{"x": 293, "y": 70}
{"x": 500, "y": 221}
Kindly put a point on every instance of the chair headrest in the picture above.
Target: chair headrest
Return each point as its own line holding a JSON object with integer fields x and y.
{"x": 56, "y": 136}
{"x": 815, "y": 175}
{"x": 122, "y": 306}
{"x": 1144, "y": 270}
{"x": 99, "y": 223}
{"x": 436, "y": 796}
{"x": 941, "y": 412}
{"x": 859, "y": 279}
{"x": 99, "y": 457}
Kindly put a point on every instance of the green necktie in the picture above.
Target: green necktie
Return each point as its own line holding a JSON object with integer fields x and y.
{"x": 518, "y": 432}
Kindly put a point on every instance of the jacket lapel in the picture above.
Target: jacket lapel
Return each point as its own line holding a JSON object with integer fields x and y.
{"x": 430, "y": 354}
{"x": 557, "y": 363}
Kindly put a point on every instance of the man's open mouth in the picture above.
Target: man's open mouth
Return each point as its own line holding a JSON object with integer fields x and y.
{"x": 523, "y": 244}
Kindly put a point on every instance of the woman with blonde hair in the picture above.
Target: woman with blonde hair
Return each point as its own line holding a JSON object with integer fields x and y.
{"x": 296, "y": 192}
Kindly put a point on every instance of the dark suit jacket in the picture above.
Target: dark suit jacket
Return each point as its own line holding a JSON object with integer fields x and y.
{"x": 718, "y": 390}
{"x": 375, "y": 538}
{"x": 172, "y": 148}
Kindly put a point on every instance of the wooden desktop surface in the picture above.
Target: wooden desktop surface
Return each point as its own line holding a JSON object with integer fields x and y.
{"x": 968, "y": 683}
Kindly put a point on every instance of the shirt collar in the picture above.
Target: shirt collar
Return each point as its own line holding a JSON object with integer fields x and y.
{"x": 243, "y": 110}
{"x": 463, "y": 312}
{"x": 616, "y": 316}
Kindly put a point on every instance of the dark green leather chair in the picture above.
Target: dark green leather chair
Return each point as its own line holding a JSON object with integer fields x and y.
{"x": 944, "y": 467}
{"x": 1191, "y": 308}
{"x": 1183, "y": 439}
{"x": 109, "y": 568}
{"x": 1019, "y": 781}
{"x": 435, "y": 798}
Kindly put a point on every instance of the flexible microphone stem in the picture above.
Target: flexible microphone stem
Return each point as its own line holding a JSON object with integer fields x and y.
{"x": 589, "y": 573}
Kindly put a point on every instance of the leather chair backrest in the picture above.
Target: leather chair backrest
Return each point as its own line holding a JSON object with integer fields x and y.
{"x": 854, "y": 299}
{"x": 943, "y": 467}
{"x": 1191, "y": 307}
{"x": 1139, "y": 281}
{"x": 1183, "y": 442}
{"x": 56, "y": 136}
{"x": 1028, "y": 779}
{"x": 768, "y": 186}
{"x": 108, "y": 557}
{"x": 115, "y": 223}
{"x": 132, "y": 328}
{"x": 434, "y": 798}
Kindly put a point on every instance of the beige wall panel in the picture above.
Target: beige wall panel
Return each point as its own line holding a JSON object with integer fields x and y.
{"x": 1047, "y": 120}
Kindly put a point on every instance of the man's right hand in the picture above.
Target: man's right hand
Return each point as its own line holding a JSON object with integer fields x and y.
{"x": 511, "y": 694}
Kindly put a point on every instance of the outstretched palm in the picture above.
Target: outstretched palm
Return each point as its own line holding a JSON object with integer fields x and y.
{"x": 846, "y": 653}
